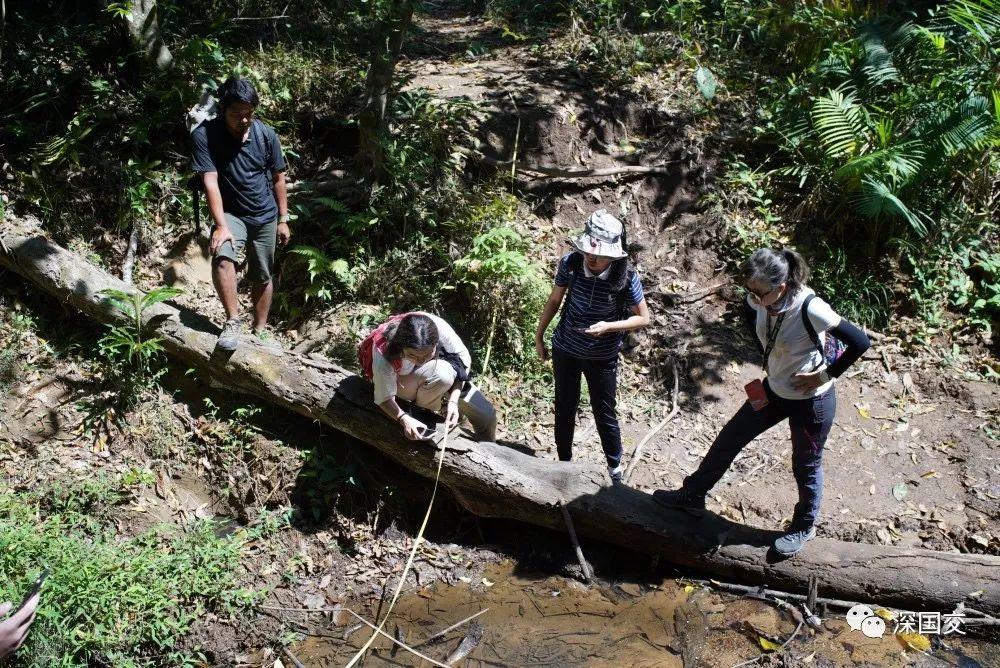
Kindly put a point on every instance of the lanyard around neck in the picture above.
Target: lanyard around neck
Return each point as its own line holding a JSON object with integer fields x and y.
{"x": 772, "y": 336}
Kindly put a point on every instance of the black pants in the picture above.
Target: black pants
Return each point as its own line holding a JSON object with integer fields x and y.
{"x": 809, "y": 421}
{"x": 602, "y": 381}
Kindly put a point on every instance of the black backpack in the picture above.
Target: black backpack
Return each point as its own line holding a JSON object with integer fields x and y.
{"x": 831, "y": 351}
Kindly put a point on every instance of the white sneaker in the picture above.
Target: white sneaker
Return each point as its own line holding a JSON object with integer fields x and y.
{"x": 617, "y": 474}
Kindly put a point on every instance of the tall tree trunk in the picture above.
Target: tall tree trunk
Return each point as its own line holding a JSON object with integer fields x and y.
{"x": 142, "y": 22}
{"x": 3, "y": 25}
{"x": 497, "y": 481}
{"x": 378, "y": 87}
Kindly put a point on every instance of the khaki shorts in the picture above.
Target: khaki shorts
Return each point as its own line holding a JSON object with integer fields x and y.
{"x": 262, "y": 240}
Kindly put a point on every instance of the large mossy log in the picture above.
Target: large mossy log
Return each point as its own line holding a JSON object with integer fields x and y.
{"x": 498, "y": 481}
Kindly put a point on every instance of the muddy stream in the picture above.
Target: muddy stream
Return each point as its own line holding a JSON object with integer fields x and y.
{"x": 534, "y": 619}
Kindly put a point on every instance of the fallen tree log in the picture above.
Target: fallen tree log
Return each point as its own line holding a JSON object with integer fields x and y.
{"x": 496, "y": 481}
{"x": 557, "y": 172}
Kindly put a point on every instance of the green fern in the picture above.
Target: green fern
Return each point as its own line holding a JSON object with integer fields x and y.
{"x": 839, "y": 122}
{"x": 324, "y": 272}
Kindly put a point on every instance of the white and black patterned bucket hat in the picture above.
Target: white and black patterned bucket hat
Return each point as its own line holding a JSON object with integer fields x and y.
{"x": 602, "y": 235}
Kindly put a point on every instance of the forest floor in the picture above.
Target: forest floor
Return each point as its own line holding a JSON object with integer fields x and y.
{"x": 912, "y": 459}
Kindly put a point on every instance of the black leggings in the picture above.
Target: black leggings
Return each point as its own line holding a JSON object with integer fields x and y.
{"x": 602, "y": 382}
{"x": 809, "y": 421}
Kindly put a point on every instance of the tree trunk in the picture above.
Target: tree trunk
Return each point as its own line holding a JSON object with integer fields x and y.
{"x": 3, "y": 25}
{"x": 378, "y": 87}
{"x": 496, "y": 481}
{"x": 143, "y": 26}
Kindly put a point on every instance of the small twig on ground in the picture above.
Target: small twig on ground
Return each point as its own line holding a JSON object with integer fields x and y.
{"x": 832, "y": 602}
{"x": 553, "y": 171}
{"x": 587, "y": 573}
{"x": 885, "y": 360}
{"x": 444, "y": 632}
{"x": 260, "y": 18}
{"x": 777, "y": 651}
{"x": 694, "y": 295}
{"x": 637, "y": 453}
{"x": 291, "y": 657}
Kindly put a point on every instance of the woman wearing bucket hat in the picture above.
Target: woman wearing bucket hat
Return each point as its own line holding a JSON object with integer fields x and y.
{"x": 603, "y": 300}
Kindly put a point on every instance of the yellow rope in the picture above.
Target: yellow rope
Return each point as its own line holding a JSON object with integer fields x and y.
{"x": 413, "y": 554}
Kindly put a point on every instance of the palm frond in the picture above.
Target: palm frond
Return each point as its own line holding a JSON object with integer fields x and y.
{"x": 967, "y": 127}
{"x": 899, "y": 163}
{"x": 877, "y": 200}
{"x": 877, "y": 65}
{"x": 917, "y": 40}
{"x": 981, "y": 18}
{"x": 839, "y": 123}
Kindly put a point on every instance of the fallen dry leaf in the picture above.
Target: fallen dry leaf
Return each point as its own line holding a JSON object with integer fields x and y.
{"x": 915, "y": 641}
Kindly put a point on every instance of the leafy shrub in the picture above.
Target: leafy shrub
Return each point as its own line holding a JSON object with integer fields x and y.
{"x": 500, "y": 285}
{"x": 131, "y": 355}
{"x": 108, "y": 601}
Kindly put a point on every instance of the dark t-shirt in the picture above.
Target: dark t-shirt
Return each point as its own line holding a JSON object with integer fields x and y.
{"x": 245, "y": 170}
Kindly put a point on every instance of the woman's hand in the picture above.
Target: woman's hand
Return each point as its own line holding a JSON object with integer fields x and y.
{"x": 599, "y": 329}
{"x": 543, "y": 352}
{"x": 806, "y": 382}
{"x": 412, "y": 428}
{"x": 452, "y": 415}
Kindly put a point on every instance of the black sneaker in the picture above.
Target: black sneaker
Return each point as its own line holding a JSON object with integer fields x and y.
{"x": 793, "y": 541}
{"x": 679, "y": 498}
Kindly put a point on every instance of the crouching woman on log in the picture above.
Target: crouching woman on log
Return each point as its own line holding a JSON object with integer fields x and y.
{"x": 801, "y": 361}
{"x": 419, "y": 358}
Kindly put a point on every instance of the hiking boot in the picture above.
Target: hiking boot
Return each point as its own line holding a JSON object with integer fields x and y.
{"x": 679, "y": 498}
{"x": 230, "y": 336}
{"x": 617, "y": 474}
{"x": 791, "y": 543}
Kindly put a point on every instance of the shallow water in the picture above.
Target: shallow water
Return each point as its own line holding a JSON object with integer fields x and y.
{"x": 540, "y": 620}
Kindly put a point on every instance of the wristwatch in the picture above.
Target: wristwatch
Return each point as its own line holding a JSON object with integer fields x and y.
{"x": 284, "y": 218}
{"x": 824, "y": 376}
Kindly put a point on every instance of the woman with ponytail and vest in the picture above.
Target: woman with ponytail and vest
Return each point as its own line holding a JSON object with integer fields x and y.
{"x": 801, "y": 361}
{"x": 603, "y": 300}
{"x": 419, "y": 358}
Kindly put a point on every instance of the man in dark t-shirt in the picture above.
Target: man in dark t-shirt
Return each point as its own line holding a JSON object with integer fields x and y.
{"x": 241, "y": 164}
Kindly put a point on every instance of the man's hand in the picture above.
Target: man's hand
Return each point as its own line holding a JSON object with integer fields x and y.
{"x": 284, "y": 233}
{"x": 806, "y": 382}
{"x": 220, "y": 235}
{"x": 452, "y": 415}
{"x": 599, "y": 329}
{"x": 543, "y": 352}
{"x": 14, "y": 629}
{"x": 412, "y": 428}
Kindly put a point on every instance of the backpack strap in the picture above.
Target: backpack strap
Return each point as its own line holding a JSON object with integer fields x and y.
{"x": 575, "y": 264}
{"x": 811, "y": 331}
{"x": 622, "y": 294}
